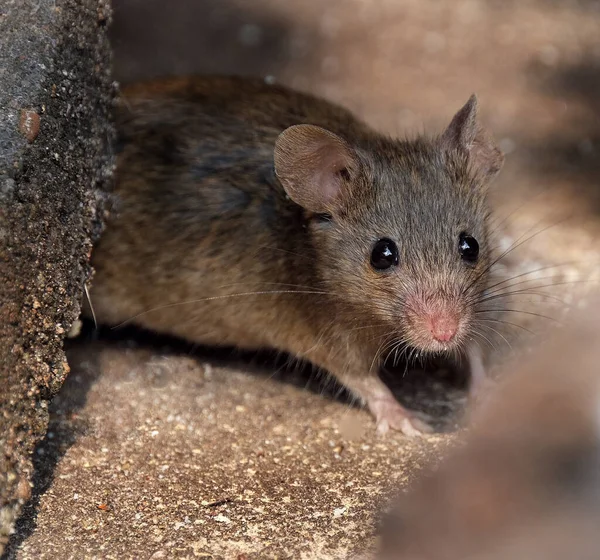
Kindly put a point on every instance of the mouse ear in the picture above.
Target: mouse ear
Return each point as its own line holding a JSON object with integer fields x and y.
{"x": 466, "y": 134}
{"x": 314, "y": 166}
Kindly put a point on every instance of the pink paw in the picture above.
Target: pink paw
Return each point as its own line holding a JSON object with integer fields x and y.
{"x": 389, "y": 413}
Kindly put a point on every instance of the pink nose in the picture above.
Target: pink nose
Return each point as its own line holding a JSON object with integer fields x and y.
{"x": 442, "y": 327}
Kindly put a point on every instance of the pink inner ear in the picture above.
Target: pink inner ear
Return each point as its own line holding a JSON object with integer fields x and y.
{"x": 310, "y": 163}
{"x": 329, "y": 173}
{"x": 465, "y": 133}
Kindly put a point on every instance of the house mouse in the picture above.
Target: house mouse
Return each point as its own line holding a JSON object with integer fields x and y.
{"x": 255, "y": 216}
{"x": 526, "y": 482}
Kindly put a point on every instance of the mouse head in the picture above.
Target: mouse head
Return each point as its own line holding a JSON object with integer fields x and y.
{"x": 399, "y": 227}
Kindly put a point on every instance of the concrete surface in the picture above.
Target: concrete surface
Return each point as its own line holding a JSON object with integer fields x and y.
{"x": 151, "y": 454}
{"x": 201, "y": 461}
{"x": 55, "y": 94}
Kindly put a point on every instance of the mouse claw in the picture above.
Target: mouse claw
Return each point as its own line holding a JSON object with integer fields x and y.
{"x": 388, "y": 412}
{"x": 394, "y": 416}
{"x": 383, "y": 427}
{"x": 410, "y": 427}
{"x": 419, "y": 427}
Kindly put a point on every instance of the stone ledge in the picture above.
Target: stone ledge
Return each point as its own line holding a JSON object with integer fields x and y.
{"x": 55, "y": 163}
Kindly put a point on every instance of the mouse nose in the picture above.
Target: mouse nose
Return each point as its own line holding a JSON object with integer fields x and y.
{"x": 442, "y": 327}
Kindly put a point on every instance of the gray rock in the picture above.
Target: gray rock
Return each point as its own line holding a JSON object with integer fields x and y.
{"x": 55, "y": 165}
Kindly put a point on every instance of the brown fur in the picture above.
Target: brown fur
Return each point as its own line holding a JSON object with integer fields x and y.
{"x": 204, "y": 227}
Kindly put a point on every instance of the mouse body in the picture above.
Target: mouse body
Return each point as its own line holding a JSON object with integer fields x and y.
{"x": 526, "y": 482}
{"x": 251, "y": 215}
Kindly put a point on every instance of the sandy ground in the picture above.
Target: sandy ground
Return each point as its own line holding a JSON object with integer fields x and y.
{"x": 167, "y": 457}
{"x": 154, "y": 454}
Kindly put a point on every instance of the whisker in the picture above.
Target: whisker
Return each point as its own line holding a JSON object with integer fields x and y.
{"x": 515, "y": 245}
{"x": 379, "y": 325}
{"x": 476, "y": 337}
{"x": 89, "y": 300}
{"x": 212, "y": 298}
{"x": 499, "y": 290}
{"x": 499, "y": 334}
{"x": 520, "y": 207}
{"x": 498, "y": 295}
{"x": 486, "y": 339}
{"x": 485, "y": 319}
{"x": 524, "y": 292}
{"x": 385, "y": 349}
{"x": 517, "y": 311}
{"x": 376, "y": 356}
{"x": 548, "y": 267}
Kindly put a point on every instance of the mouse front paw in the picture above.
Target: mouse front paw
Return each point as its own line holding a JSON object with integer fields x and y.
{"x": 390, "y": 414}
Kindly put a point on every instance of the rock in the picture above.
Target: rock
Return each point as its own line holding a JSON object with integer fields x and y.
{"x": 55, "y": 165}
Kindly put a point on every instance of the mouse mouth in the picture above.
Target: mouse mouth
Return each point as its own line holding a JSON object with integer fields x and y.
{"x": 434, "y": 384}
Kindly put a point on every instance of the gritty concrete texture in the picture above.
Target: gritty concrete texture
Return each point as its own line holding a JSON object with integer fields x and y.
{"x": 176, "y": 458}
{"x": 55, "y": 95}
{"x": 151, "y": 454}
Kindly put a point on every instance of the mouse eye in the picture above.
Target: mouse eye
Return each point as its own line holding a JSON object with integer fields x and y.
{"x": 323, "y": 217}
{"x": 384, "y": 254}
{"x": 468, "y": 247}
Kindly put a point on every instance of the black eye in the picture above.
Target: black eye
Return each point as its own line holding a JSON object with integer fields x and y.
{"x": 323, "y": 218}
{"x": 468, "y": 247}
{"x": 384, "y": 255}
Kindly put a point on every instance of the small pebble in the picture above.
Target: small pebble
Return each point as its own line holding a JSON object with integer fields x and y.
{"x": 29, "y": 124}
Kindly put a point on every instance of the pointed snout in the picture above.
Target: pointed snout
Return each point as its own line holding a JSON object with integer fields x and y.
{"x": 435, "y": 320}
{"x": 443, "y": 326}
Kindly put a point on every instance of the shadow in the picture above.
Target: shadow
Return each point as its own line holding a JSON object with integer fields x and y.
{"x": 153, "y": 38}
{"x": 278, "y": 366}
{"x": 438, "y": 395}
{"x": 64, "y": 428}
{"x": 572, "y": 154}
{"x": 592, "y": 6}
{"x": 434, "y": 387}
